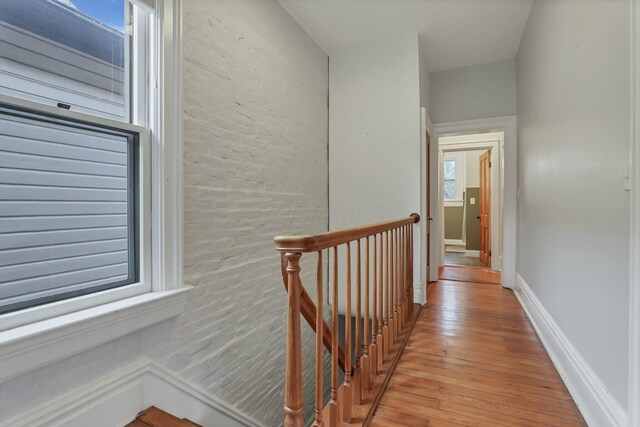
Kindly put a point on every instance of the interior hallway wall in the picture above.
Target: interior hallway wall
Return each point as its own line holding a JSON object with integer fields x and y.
{"x": 374, "y": 136}
{"x": 573, "y": 79}
{"x": 255, "y": 165}
{"x": 476, "y": 92}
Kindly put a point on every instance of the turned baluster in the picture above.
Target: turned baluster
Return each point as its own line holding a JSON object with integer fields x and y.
{"x": 409, "y": 274}
{"x": 394, "y": 284}
{"x": 403, "y": 275}
{"x": 386, "y": 327}
{"x": 357, "y": 374}
{"x": 411, "y": 270}
{"x": 400, "y": 283}
{"x": 409, "y": 283}
{"x": 347, "y": 391}
{"x": 403, "y": 278}
{"x": 333, "y": 402}
{"x": 293, "y": 402}
{"x": 366, "y": 360}
{"x": 399, "y": 280}
{"x": 403, "y": 272}
{"x": 379, "y": 310}
{"x": 319, "y": 327}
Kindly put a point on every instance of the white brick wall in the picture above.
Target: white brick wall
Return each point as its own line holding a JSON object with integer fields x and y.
{"x": 255, "y": 165}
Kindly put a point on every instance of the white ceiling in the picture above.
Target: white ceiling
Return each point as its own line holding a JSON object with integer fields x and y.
{"x": 454, "y": 33}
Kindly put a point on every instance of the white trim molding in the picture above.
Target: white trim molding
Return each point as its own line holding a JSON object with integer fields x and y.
{"x": 116, "y": 399}
{"x": 634, "y": 250}
{"x": 167, "y": 161}
{"x": 508, "y": 125}
{"x": 454, "y": 242}
{"x": 596, "y": 403}
{"x": 472, "y": 253}
{"x": 32, "y": 346}
{"x": 419, "y": 293}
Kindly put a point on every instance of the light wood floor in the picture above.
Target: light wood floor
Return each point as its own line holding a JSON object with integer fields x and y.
{"x": 469, "y": 274}
{"x": 473, "y": 359}
{"x": 457, "y": 258}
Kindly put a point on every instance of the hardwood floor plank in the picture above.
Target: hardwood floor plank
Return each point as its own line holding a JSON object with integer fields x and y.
{"x": 398, "y": 418}
{"x": 437, "y": 414}
{"x": 469, "y": 274}
{"x": 474, "y": 359}
{"x": 538, "y": 414}
{"x": 539, "y": 374}
{"x": 490, "y": 375}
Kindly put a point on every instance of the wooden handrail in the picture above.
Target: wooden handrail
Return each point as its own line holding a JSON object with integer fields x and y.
{"x": 308, "y": 310}
{"x": 377, "y": 349}
{"x": 308, "y": 243}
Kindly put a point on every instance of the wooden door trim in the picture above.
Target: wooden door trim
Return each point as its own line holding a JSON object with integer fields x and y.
{"x": 485, "y": 200}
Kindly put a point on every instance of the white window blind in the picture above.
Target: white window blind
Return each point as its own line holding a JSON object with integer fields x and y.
{"x": 67, "y": 209}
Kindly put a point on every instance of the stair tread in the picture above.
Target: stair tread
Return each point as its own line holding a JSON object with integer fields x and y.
{"x": 155, "y": 417}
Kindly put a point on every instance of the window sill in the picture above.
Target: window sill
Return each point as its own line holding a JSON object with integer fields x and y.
{"x": 453, "y": 203}
{"x": 32, "y": 346}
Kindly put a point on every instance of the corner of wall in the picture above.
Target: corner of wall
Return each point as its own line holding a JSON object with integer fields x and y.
{"x": 596, "y": 403}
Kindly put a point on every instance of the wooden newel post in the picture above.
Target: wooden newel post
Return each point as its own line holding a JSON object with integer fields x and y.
{"x": 293, "y": 401}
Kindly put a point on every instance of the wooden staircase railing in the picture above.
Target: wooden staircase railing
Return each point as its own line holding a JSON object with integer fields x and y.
{"x": 380, "y": 332}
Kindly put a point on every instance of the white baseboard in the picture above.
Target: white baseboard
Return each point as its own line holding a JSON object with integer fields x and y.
{"x": 472, "y": 254}
{"x": 419, "y": 293}
{"x": 455, "y": 242}
{"x": 597, "y": 405}
{"x": 116, "y": 399}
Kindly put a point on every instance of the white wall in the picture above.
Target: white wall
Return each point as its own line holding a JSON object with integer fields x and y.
{"x": 574, "y": 133}
{"x": 255, "y": 165}
{"x": 425, "y": 78}
{"x": 420, "y": 234}
{"x": 472, "y": 174}
{"x": 374, "y": 133}
{"x": 476, "y": 92}
{"x": 374, "y": 136}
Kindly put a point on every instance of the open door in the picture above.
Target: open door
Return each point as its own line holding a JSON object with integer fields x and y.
{"x": 485, "y": 208}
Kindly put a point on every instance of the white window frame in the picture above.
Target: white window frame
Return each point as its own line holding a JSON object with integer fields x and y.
{"x": 42, "y": 335}
{"x": 460, "y": 159}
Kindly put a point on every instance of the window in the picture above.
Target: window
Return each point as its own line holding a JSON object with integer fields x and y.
{"x": 453, "y": 177}
{"x": 68, "y": 210}
{"x": 90, "y": 174}
{"x": 74, "y": 153}
{"x": 450, "y": 179}
{"x": 54, "y": 51}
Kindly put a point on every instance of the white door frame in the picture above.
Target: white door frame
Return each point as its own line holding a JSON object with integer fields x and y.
{"x": 634, "y": 249}
{"x": 508, "y": 125}
{"x": 420, "y": 229}
{"x": 493, "y": 144}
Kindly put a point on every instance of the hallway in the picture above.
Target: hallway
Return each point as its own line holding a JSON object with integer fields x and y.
{"x": 473, "y": 359}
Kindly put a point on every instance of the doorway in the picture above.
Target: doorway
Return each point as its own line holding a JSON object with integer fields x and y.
{"x": 470, "y": 200}
{"x": 508, "y": 189}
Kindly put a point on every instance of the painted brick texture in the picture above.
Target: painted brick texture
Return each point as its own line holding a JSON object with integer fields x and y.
{"x": 255, "y": 165}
